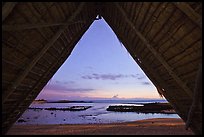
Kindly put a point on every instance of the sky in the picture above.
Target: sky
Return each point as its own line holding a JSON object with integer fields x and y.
{"x": 99, "y": 67}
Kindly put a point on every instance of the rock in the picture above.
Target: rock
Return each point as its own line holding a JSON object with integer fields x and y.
{"x": 21, "y": 120}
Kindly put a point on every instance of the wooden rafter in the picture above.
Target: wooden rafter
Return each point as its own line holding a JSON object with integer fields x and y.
{"x": 185, "y": 8}
{"x": 38, "y": 25}
{"x": 155, "y": 53}
{"x": 7, "y": 9}
{"x": 22, "y": 75}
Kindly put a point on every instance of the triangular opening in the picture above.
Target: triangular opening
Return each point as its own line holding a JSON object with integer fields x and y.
{"x": 99, "y": 67}
{"x": 36, "y": 34}
{"x": 99, "y": 70}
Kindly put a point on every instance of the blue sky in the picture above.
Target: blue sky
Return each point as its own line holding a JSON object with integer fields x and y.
{"x": 99, "y": 67}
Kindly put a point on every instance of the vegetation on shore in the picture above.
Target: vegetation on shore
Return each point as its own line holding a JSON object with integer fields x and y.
{"x": 146, "y": 108}
{"x": 72, "y": 108}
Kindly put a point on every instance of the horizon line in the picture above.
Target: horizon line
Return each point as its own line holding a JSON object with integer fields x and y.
{"x": 90, "y": 98}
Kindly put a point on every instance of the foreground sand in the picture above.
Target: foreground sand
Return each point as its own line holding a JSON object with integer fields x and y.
{"x": 156, "y": 126}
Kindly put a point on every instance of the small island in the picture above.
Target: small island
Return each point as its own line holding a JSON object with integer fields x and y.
{"x": 40, "y": 101}
{"x": 165, "y": 108}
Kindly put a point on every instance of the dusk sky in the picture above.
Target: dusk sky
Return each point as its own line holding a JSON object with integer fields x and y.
{"x": 99, "y": 67}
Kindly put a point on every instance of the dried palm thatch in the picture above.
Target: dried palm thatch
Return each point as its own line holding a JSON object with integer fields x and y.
{"x": 164, "y": 38}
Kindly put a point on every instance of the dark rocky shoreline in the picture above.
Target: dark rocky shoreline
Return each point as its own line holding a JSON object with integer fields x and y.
{"x": 72, "y": 108}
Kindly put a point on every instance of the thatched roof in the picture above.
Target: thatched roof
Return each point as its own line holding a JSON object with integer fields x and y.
{"x": 164, "y": 39}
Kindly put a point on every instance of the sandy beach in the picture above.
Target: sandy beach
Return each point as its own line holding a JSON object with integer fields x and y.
{"x": 155, "y": 126}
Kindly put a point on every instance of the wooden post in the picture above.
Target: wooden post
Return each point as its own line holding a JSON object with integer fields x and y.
{"x": 155, "y": 53}
{"x": 22, "y": 75}
{"x": 186, "y": 9}
{"x": 7, "y": 9}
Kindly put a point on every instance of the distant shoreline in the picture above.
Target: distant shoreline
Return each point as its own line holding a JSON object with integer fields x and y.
{"x": 69, "y": 101}
{"x": 130, "y": 101}
{"x": 60, "y": 101}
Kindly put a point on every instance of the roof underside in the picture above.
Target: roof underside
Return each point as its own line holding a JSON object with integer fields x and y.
{"x": 165, "y": 39}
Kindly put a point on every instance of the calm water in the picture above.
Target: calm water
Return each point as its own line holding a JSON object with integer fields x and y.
{"x": 96, "y": 114}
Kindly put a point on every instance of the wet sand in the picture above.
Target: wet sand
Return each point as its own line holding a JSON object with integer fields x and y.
{"x": 155, "y": 126}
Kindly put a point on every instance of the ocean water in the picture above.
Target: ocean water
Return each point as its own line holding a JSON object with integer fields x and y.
{"x": 96, "y": 114}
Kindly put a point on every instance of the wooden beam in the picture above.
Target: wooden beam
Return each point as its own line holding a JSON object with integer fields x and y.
{"x": 197, "y": 98}
{"x": 155, "y": 53}
{"x": 38, "y": 25}
{"x": 186, "y": 9}
{"x": 23, "y": 74}
{"x": 7, "y": 9}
